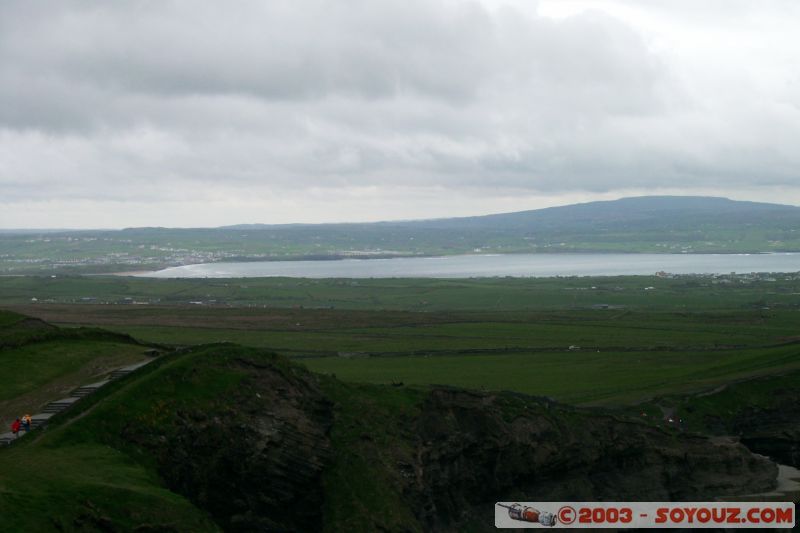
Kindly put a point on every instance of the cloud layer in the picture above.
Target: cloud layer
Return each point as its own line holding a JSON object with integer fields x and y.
{"x": 192, "y": 104}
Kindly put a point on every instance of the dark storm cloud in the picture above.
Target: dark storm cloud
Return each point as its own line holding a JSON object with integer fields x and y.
{"x": 157, "y": 100}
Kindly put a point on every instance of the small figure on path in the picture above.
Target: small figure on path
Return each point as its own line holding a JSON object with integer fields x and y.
{"x": 26, "y": 422}
{"x": 15, "y": 427}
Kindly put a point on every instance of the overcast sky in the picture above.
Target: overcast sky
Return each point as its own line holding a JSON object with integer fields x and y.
{"x": 198, "y": 113}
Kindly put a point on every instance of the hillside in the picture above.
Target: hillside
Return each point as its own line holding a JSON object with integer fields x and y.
{"x": 647, "y": 224}
{"x": 650, "y": 223}
{"x": 224, "y": 437}
{"x": 646, "y": 212}
{"x": 763, "y": 412}
{"x": 656, "y": 211}
{"x": 43, "y": 363}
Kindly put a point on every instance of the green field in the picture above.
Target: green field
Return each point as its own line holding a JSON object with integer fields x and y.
{"x": 581, "y": 340}
{"x": 615, "y": 345}
{"x": 483, "y": 294}
{"x": 579, "y": 378}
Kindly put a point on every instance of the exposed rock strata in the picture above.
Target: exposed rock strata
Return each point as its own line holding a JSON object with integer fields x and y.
{"x": 257, "y": 461}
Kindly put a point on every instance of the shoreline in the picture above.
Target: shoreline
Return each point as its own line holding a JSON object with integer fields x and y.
{"x": 494, "y": 266}
{"x": 397, "y": 259}
{"x": 130, "y": 273}
{"x": 787, "y": 485}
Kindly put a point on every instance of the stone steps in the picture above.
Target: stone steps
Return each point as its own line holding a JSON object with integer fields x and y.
{"x": 59, "y": 405}
{"x": 125, "y": 370}
{"x": 41, "y": 419}
{"x": 85, "y": 390}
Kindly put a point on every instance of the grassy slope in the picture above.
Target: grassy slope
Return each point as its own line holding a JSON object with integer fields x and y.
{"x": 80, "y": 488}
{"x": 7, "y": 318}
{"x": 51, "y": 370}
{"x": 45, "y": 363}
{"x": 356, "y": 487}
{"x": 412, "y": 294}
{"x": 76, "y": 474}
{"x": 36, "y": 365}
{"x": 80, "y": 468}
{"x": 764, "y": 393}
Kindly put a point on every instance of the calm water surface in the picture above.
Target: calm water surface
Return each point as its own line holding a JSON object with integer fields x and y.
{"x": 517, "y": 265}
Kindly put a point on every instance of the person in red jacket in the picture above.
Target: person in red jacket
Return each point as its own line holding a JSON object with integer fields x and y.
{"x": 15, "y": 427}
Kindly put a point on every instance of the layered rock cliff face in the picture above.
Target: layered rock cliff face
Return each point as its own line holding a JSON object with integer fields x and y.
{"x": 276, "y": 453}
{"x": 254, "y": 462}
{"x": 764, "y": 414}
{"x": 472, "y": 454}
{"x": 772, "y": 432}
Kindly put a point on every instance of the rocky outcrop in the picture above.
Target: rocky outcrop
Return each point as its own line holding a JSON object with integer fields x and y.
{"x": 772, "y": 432}
{"x": 275, "y": 453}
{"x": 764, "y": 414}
{"x": 255, "y": 462}
{"x": 473, "y": 453}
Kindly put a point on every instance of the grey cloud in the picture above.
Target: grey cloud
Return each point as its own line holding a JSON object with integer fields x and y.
{"x": 276, "y": 50}
{"x": 167, "y": 100}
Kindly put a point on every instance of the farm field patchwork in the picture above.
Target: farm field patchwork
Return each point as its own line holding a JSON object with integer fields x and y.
{"x": 682, "y": 293}
{"x": 374, "y": 363}
{"x": 609, "y": 378}
{"x": 587, "y": 353}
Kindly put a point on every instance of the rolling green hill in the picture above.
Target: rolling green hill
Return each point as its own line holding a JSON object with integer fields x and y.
{"x": 225, "y": 437}
{"x": 41, "y": 363}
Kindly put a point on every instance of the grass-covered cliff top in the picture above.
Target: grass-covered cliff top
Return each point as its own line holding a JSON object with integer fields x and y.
{"x": 237, "y": 438}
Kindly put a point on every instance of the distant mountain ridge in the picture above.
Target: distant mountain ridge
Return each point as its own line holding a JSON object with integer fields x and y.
{"x": 655, "y": 224}
{"x": 640, "y": 208}
{"x": 649, "y": 224}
